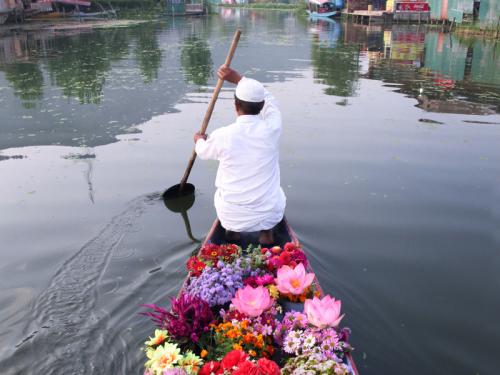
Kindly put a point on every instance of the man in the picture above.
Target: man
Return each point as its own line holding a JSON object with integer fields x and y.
{"x": 248, "y": 197}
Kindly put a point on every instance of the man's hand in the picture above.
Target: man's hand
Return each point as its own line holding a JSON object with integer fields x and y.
{"x": 227, "y": 74}
{"x": 199, "y": 136}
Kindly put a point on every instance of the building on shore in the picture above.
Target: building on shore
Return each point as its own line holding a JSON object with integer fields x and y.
{"x": 10, "y": 9}
{"x": 486, "y": 12}
{"x": 184, "y": 7}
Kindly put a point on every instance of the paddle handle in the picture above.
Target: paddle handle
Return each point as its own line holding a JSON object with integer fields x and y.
{"x": 211, "y": 106}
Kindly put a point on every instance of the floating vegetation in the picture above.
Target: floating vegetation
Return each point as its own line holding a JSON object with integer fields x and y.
{"x": 429, "y": 121}
{"x": 8, "y": 157}
{"x": 78, "y": 156}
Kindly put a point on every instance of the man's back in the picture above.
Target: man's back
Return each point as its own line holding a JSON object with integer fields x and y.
{"x": 249, "y": 171}
{"x": 249, "y": 196}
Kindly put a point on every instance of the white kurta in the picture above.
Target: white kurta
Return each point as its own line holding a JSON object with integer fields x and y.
{"x": 248, "y": 197}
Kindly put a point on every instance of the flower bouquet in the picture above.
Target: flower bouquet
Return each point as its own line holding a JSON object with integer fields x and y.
{"x": 233, "y": 316}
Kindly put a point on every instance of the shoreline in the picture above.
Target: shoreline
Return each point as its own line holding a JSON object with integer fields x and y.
{"x": 66, "y": 24}
{"x": 264, "y": 6}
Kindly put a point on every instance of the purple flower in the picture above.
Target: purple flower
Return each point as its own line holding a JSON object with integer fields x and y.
{"x": 188, "y": 319}
{"x": 218, "y": 285}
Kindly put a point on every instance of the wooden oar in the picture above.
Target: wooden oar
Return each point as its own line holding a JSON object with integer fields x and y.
{"x": 184, "y": 187}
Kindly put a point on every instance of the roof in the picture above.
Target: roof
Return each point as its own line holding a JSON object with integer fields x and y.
{"x": 320, "y": 2}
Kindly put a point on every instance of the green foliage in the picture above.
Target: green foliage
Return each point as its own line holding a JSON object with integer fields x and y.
{"x": 27, "y": 82}
{"x": 80, "y": 69}
{"x": 148, "y": 53}
{"x": 196, "y": 60}
{"x": 337, "y": 67}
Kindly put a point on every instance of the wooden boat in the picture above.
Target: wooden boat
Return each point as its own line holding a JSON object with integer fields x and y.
{"x": 322, "y": 8}
{"x": 283, "y": 233}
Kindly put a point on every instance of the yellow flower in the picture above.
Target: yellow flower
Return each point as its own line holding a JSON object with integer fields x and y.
{"x": 160, "y": 337}
{"x": 237, "y": 347}
{"x": 164, "y": 357}
{"x": 273, "y": 291}
{"x": 191, "y": 362}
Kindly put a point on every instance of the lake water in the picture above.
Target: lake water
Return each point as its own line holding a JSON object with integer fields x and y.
{"x": 390, "y": 161}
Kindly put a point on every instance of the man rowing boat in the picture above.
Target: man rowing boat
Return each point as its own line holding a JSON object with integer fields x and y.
{"x": 249, "y": 197}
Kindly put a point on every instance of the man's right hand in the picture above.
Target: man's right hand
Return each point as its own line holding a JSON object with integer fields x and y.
{"x": 227, "y": 74}
{"x": 198, "y": 136}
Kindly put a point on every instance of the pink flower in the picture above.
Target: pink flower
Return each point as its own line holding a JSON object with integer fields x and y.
{"x": 252, "y": 301}
{"x": 293, "y": 280}
{"x": 324, "y": 312}
{"x": 264, "y": 280}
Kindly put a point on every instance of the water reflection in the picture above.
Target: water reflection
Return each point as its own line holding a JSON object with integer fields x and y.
{"x": 80, "y": 68}
{"x": 335, "y": 64}
{"x": 84, "y": 87}
{"x": 443, "y": 72}
{"x": 27, "y": 82}
{"x": 148, "y": 52}
{"x": 59, "y": 80}
{"x": 196, "y": 60}
{"x": 439, "y": 70}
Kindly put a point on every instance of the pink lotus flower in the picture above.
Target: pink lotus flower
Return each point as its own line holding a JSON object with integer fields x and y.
{"x": 293, "y": 280}
{"x": 324, "y": 312}
{"x": 252, "y": 301}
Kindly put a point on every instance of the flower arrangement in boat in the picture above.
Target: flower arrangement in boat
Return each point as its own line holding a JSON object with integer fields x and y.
{"x": 299, "y": 334}
{"x": 187, "y": 320}
{"x": 294, "y": 283}
{"x": 237, "y": 362}
{"x": 238, "y": 331}
{"x": 166, "y": 357}
{"x": 252, "y": 301}
{"x": 210, "y": 255}
{"x": 290, "y": 255}
{"x": 324, "y": 312}
{"x": 218, "y": 285}
{"x": 232, "y": 316}
{"x": 306, "y": 364}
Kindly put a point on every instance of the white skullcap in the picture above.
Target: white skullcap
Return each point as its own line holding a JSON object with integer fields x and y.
{"x": 250, "y": 90}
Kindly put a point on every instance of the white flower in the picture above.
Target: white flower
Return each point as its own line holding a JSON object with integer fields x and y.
{"x": 309, "y": 341}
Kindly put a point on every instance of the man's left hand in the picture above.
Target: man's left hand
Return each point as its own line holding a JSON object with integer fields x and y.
{"x": 199, "y": 136}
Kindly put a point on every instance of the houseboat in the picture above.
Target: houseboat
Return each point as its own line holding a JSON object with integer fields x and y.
{"x": 184, "y": 7}
{"x": 323, "y": 8}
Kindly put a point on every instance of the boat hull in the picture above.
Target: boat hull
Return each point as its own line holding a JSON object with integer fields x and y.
{"x": 323, "y": 15}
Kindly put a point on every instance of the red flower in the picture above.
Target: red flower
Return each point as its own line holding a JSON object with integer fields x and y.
{"x": 290, "y": 246}
{"x": 195, "y": 266}
{"x": 268, "y": 367}
{"x": 299, "y": 257}
{"x": 228, "y": 251}
{"x": 211, "y": 367}
{"x": 273, "y": 263}
{"x": 276, "y": 250}
{"x": 251, "y": 280}
{"x": 233, "y": 358}
{"x": 285, "y": 258}
{"x": 246, "y": 368}
{"x": 210, "y": 252}
{"x": 264, "y": 250}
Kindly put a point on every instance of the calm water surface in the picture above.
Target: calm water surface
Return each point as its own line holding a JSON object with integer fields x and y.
{"x": 390, "y": 162}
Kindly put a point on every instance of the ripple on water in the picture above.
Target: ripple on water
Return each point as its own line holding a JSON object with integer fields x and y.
{"x": 64, "y": 323}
